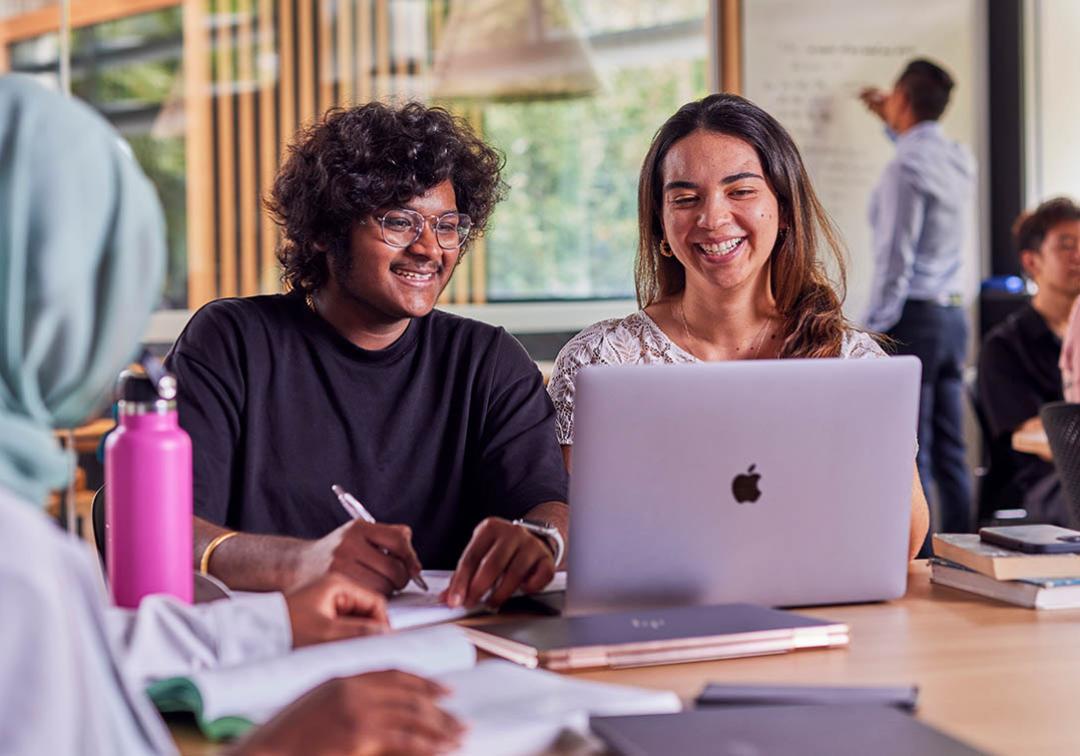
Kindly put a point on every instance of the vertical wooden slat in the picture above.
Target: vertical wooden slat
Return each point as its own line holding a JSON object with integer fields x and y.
{"x": 382, "y": 48}
{"x": 286, "y": 72}
{"x": 460, "y": 283}
{"x": 468, "y": 263}
{"x": 398, "y": 53}
{"x": 436, "y": 22}
{"x": 305, "y": 31}
{"x": 363, "y": 51}
{"x": 249, "y": 189}
{"x": 345, "y": 52}
{"x": 199, "y": 148}
{"x": 326, "y": 57}
{"x": 438, "y": 17}
{"x": 730, "y": 46}
{"x": 268, "y": 146}
{"x": 226, "y": 199}
{"x": 478, "y": 279}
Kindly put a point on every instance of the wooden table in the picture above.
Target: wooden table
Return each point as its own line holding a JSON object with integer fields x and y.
{"x": 1002, "y": 678}
{"x": 1032, "y": 442}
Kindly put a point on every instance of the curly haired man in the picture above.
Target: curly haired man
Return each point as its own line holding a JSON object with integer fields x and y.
{"x": 439, "y": 424}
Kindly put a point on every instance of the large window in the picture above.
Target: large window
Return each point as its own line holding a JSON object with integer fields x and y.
{"x": 208, "y": 93}
{"x": 569, "y": 226}
{"x": 129, "y": 69}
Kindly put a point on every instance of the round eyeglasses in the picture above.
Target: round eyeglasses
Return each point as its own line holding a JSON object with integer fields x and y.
{"x": 402, "y": 227}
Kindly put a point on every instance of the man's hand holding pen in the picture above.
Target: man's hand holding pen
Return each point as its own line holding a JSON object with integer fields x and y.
{"x": 502, "y": 557}
{"x": 378, "y": 556}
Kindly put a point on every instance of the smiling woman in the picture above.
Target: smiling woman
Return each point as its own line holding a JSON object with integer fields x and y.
{"x": 729, "y": 266}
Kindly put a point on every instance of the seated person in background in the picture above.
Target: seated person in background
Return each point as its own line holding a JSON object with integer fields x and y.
{"x": 1069, "y": 363}
{"x": 727, "y": 265}
{"x": 1018, "y": 363}
{"x": 438, "y": 424}
{"x": 82, "y": 256}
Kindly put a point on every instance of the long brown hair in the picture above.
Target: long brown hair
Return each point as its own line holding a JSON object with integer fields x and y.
{"x": 814, "y": 323}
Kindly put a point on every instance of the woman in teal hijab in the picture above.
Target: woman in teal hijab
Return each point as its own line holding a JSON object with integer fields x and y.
{"x": 81, "y": 262}
{"x": 83, "y": 248}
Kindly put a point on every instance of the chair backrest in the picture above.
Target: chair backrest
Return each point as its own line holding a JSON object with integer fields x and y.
{"x": 97, "y": 515}
{"x": 1062, "y": 423}
{"x": 988, "y": 503}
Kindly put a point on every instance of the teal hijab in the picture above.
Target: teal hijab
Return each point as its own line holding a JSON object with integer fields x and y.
{"x": 82, "y": 255}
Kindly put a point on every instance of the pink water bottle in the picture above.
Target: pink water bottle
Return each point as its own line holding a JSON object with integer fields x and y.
{"x": 148, "y": 497}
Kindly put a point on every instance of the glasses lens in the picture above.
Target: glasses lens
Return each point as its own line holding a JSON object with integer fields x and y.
{"x": 452, "y": 230}
{"x": 400, "y": 228}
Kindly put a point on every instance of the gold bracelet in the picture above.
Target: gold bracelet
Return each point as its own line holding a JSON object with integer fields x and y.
{"x": 204, "y": 563}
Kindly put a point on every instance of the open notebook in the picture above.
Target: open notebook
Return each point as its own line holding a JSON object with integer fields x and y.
{"x": 509, "y": 709}
{"x": 226, "y": 701}
{"x": 413, "y": 607}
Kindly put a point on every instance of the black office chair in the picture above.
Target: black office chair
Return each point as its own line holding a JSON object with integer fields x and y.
{"x": 207, "y": 587}
{"x": 1062, "y": 423}
{"x": 97, "y": 518}
{"x": 988, "y": 509}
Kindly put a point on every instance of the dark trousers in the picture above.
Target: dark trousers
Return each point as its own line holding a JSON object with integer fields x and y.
{"x": 937, "y": 335}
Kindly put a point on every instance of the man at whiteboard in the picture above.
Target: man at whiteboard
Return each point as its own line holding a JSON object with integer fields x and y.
{"x": 917, "y": 212}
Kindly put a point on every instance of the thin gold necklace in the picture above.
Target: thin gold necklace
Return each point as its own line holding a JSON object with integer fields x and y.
{"x": 755, "y": 347}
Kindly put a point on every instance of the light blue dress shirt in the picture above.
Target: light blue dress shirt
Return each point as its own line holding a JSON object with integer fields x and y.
{"x": 918, "y": 211}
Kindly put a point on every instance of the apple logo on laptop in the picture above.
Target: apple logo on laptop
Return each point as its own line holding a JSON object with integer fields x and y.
{"x": 745, "y": 486}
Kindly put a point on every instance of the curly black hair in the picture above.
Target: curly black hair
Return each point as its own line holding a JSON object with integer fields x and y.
{"x": 354, "y": 161}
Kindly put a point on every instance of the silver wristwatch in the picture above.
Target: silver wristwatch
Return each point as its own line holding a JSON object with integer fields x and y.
{"x": 548, "y": 531}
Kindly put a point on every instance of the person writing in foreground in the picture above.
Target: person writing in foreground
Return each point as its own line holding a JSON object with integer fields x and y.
{"x": 82, "y": 255}
{"x": 439, "y": 425}
{"x": 728, "y": 264}
{"x": 1018, "y": 363}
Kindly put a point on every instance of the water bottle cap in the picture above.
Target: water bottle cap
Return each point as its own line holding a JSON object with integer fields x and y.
{"x": 136, "y": 387}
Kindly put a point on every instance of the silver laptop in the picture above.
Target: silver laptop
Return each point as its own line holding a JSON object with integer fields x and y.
{"x": 778, "y": 482}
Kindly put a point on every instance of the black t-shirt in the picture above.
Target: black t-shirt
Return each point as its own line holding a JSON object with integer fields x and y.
{"x": 1018, "y": 373}
{"x": 447, "y": 426}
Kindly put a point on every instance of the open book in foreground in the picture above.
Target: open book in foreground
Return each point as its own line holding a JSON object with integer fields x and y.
{"x": 509, "y": 710}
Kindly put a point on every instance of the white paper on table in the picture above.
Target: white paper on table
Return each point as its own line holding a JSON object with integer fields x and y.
{"x": 413, "y": 607}
{"x": 256, "y": 691}
{"x": 513, "y": 711}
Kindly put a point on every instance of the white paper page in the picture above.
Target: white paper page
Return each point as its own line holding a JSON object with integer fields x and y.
{"x": 413, "y": 607}
{"x": 258, "y": 690}
{"x": 513, "y": 710}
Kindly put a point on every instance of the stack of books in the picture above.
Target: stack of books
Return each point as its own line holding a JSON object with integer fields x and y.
{"x": 1038, "y": 581}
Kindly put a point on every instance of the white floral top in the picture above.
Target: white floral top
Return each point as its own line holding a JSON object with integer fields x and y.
{"x": 637, "y": 340}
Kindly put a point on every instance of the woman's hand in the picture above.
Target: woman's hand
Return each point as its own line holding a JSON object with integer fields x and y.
{"x": 377, "y": 713}
{"x": 334, "y": 607}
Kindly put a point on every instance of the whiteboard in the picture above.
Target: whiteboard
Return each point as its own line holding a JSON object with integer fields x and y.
{"x": 1053, "y": 109}
{"x": 805, "y": 63}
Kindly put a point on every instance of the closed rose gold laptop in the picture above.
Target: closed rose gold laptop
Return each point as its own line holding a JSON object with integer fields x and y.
{"x": 655, "y": 636}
